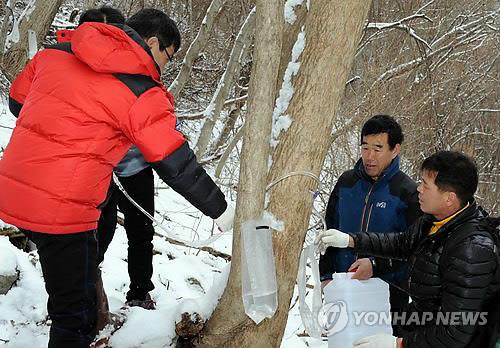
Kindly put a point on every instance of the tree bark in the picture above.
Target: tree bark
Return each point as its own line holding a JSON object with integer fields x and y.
{"x": 37, "y": 17}
{"x": 319, "y": 85}
{"x": 234, "y": 112}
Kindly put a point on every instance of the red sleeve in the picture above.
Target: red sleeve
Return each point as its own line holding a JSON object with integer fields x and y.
{"x": 151, "y": 126}
{"x": 22, "y": 83}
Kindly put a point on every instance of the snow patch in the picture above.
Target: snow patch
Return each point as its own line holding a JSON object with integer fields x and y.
{"x": 289, "y": 11}
{"x": 282, "y": 121}
{"x": 22, "y": 309}
{"x": 8, "y": 266}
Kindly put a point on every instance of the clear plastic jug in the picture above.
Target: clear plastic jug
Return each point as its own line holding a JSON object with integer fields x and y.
{"x": 355, "y": 309}
{"x": 258, "y": 272}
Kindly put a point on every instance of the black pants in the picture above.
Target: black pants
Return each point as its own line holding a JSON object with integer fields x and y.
{"x": 69, "y": 268}
{"x": 138, "y": 227}
{"x": 399, "y": 302}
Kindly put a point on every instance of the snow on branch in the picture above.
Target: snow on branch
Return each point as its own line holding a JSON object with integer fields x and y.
{"x": 402, "y": 26}
{"x": 465, "y": 27}
{"x": 468, "y": 33}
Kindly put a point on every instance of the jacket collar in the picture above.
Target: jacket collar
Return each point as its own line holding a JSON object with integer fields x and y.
{"x": 468, "y": 214}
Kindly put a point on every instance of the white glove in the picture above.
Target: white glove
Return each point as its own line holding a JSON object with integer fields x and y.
{"x": 331, "y": 237}
{"x": 225, "y": 221}
{"x": 376, "y": 341}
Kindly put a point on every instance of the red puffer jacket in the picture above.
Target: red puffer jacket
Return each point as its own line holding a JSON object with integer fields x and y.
{"x": 76, "y": 123}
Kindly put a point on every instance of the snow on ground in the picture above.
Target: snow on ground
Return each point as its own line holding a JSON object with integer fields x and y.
{"x": 185, "y": 279}
{"x": 7, "y": 123}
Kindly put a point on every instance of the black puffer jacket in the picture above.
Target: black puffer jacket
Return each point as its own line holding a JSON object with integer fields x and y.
{"x": 454, "y": 270}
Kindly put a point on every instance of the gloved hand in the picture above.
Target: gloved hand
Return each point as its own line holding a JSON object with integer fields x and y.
{"x": 331, "y": 237}
{"x": 377, "y": 341}
{"x": 225, "y": 221}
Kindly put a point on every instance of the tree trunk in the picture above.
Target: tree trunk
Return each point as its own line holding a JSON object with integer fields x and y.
{"x": 229, "y": 148}
{"x": 196, "y": 46}
{"x": 319, "y": 85}
{"x": 257, "y": 131}
{"x": 214, "y": 109}
{"x": 38, "y": 16}
{"x": 6, "y": 20}
{"x": 229, "y": 125}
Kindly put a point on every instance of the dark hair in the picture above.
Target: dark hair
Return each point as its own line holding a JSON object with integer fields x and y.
{"x": 150, "y": 22}
{"x": 384, "y": 124}
{"x": 455, "y": 172}
{"x": 104, "y": 14}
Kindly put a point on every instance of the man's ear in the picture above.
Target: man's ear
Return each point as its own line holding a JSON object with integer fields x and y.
{"x": 396, "y": 150}
{"x": 452, "y": 198}
{"x": 153, "y": 40}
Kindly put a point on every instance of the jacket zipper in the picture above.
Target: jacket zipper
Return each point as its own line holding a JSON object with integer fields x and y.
{"x": 369, "y": 217}
{"x": 417, "y": 251}
{"x": 367, "y": 197}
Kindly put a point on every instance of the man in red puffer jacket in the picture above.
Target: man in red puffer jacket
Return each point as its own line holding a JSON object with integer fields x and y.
{"x": 81, "y": 106}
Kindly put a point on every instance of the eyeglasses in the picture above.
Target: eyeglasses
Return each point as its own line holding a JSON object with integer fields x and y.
{"x": 170, "y": 58}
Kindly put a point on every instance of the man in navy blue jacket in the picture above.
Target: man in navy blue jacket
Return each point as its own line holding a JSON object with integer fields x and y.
{"x": 375, "y": 196}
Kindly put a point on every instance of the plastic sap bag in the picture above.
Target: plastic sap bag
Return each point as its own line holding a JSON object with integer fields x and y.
{"x": 309, "y": 317}
{"x": 258, "y": 272}
{"x": 355, "y": 309}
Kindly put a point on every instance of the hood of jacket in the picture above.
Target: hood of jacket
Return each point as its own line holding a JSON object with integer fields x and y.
{"x": 107, "y": 48}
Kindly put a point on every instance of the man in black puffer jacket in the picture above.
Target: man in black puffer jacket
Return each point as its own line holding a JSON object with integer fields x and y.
{"x": 454, "y": 275}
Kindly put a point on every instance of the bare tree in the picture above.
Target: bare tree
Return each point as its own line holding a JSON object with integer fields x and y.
{"x": 318, "y": 86}
{"x": 258, "y": 123}
{"x": 212, "y": 112}
{"x": 196, "y": 46}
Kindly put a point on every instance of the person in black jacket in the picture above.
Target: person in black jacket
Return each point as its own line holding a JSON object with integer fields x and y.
{"x": 454, "y": 274}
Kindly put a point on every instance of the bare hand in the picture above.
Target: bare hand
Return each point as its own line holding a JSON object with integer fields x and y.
{"x": 364, "y": 269}
{"x": 325, "y": 283}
